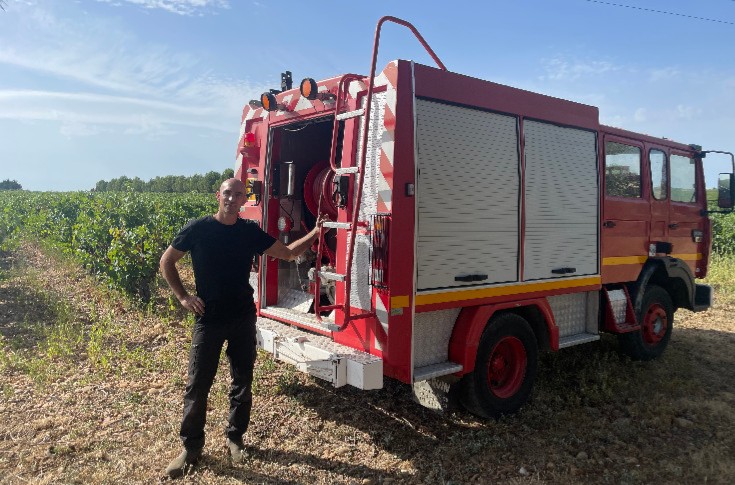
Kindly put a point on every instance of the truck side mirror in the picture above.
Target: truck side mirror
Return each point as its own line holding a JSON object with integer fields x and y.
{"x": 725, "y": 190}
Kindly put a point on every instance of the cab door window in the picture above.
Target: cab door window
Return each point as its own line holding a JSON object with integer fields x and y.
{"x": 659, "y": 175}
{"x": 683, "y": 179}
{"x": 622, "y": 170}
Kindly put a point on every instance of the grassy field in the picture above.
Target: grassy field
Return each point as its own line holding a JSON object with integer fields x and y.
{"x": 91, "y": 390}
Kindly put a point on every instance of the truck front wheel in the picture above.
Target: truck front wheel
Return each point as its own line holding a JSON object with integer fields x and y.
{"x": 656, "y": 319}
{"x": 505, "y": 368}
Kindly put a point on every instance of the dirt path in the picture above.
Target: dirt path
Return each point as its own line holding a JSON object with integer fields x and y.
{"x": 90, "y": 392}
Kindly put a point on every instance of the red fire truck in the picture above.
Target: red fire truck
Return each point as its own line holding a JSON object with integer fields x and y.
{"x": 472, "y": 225}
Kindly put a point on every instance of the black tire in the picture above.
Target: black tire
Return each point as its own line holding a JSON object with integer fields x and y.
{"x": 505, "y": 368}
{"x": 657, "y": 321}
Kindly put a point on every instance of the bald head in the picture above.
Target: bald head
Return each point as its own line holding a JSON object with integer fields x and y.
{"x": 232, "y": 184}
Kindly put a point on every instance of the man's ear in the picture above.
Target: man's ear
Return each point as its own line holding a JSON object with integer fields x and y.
{"x": 217, "y": 195}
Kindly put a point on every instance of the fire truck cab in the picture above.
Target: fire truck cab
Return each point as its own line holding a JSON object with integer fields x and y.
{"x": 472, "y": 225}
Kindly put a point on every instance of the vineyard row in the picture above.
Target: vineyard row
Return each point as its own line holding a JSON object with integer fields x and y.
{"x": 119, "y": 237}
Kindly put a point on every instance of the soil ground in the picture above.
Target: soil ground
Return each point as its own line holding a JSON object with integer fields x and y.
{"x": 91, "y": 388}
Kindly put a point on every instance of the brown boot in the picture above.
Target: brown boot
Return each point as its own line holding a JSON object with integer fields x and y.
{"x": 182, "y": 464}
{"x": 237, "y": 450}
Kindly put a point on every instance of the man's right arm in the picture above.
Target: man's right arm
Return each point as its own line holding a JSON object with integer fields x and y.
{"x": 168, "y": 268}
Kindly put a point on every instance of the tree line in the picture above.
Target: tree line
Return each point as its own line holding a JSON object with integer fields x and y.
{"x": 205, "y": 184}
{"x": 8, "y": 184}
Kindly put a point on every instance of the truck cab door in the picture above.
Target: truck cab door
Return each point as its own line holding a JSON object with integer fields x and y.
{"x": 688, "y": 200}
{"x": 626, "y": 211}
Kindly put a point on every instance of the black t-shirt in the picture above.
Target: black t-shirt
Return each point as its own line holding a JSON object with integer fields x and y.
{"x": 222, "y": 256}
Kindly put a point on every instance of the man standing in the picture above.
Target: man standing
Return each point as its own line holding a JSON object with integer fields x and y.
{"x": 222, "y": 249}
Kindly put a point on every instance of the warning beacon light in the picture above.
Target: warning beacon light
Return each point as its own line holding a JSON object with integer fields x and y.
{"x": 310, "y": 91}
{"x": 248, "y": 139}
{"x": 308, "y": 88}
{"x": 268, "y": 100}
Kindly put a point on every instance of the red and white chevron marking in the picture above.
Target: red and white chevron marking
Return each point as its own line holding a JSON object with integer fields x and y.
{"x": 388, "y": 77}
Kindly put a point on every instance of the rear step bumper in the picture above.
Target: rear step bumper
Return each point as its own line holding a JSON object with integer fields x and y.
{"x": 319, "y": 356}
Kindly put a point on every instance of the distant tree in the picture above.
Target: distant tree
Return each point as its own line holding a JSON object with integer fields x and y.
{"x": 8, "y": 184}
{"x": 210, "y": 180}
{"x": 167, "y": 184}
{"x": 181, "y": 184}
{"x": 101, "y": 186}
{"x": 196, "y": 183}
{"x": 136, "y": 185}
{"x": 118, "y": 184}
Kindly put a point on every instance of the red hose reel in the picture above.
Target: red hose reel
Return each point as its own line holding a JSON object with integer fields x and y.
{"x": 318, "y": 184}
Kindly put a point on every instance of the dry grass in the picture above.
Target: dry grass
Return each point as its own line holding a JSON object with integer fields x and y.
{"x": 91, "y": 393}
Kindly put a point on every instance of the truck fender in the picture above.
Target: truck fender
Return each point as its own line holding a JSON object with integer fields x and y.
{"x": 672, "y": 274}
{"x": 472, "y": 321}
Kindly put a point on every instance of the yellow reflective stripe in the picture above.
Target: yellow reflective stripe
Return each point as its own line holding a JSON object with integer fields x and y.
{"x": 399, "y": 301}
{"x": 624, "y": 260}
{"x": 614, "y": 261}
{"x": 447, "y": 297}
{"x": 688, "y": 257}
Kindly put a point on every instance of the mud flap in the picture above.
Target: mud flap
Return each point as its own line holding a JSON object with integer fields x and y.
{"x": 436, "y": 394}
{"x": 702, "y": 297}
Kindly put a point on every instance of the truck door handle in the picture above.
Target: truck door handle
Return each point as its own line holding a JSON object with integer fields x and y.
{"x": 564, "y": 270}
{"x": 608, "y": 224}
{"x": 673, "y": 225}
{"x": 471, "y": 277}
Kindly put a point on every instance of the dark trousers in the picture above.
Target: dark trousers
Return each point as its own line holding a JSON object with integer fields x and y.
{"x": 208, "y": 338}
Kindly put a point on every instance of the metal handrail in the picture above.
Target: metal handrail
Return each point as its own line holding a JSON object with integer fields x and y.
{"x": 344, "y": 82}
{"x": 361, "y": 170}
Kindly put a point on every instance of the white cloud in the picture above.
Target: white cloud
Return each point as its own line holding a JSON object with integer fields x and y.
{"x": 71, "y": 129}
{"x": 687, "y": 112}
{"x": 107, "y": 120}
{"x": 27, "y": 96}
{"x": 117, "y": 79}
{"x": 180, "y": 7}
{"x": 663, "y": 74}
{"x": 560, "y": 69}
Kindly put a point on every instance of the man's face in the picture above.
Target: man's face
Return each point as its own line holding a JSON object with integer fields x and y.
{"x": 231, "y": 197}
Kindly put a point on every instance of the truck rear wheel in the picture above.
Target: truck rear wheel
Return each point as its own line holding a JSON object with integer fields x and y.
{"x": 505, "y": 368}
{"x": 656, "y": 319}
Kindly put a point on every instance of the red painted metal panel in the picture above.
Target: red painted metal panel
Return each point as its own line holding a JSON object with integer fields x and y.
{"x": 397, "y": 355}
{"x": 457, "y": 88}
{"x": 619, "y": 132}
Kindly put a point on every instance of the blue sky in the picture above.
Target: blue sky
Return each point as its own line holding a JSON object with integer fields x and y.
{"x": 96, "y": 89}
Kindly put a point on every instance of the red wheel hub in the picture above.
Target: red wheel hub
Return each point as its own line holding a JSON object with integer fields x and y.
{"x": 655, "y": 324}
{"x": 506, "y": 367}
